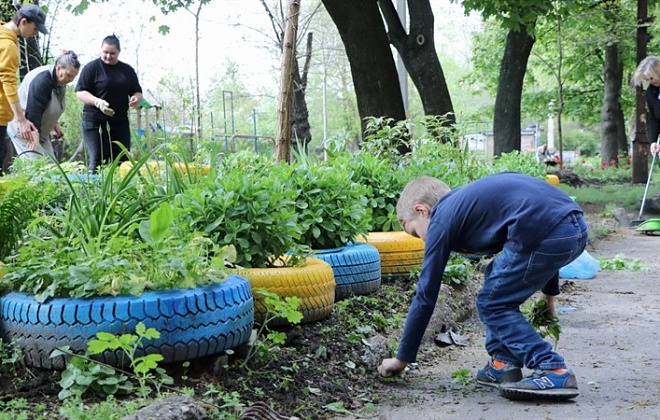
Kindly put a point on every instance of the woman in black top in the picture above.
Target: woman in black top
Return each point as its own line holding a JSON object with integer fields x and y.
{"x": 108, "y": 87}
{"x": 648, "y": 71}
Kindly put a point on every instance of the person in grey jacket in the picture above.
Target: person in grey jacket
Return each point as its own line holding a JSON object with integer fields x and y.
{"x": 42, "y": 95}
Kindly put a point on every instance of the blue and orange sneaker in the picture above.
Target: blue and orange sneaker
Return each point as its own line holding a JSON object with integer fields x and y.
{"x": 496, "y": 373}
{"x": 558, "y": 384}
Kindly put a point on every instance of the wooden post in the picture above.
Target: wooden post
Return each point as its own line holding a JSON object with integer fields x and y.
{"x": 285, "y": 103}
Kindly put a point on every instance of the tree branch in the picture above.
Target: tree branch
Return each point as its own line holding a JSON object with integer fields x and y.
{"x": 395, "y": 30}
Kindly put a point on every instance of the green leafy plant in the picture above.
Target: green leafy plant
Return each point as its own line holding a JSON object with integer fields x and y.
{"x": 458, "y": 270}
{"x": 254, "y": 210}
{"x": 160, "y": 257}
{"x": 332, "y": 208}
{"x": 268, "y": 341}
{"x": 384, "y": 182}
{"x": 110, "y": 408}
{"x": 461, "y": 376}
{"x": 539, "y": 315}
{"x": 85, "y": 374}
{"x": 12, "y": 363}
{"x": 20, "y": 409}
{"x": 619, "y": 262}
{"x": 17, "y": 209}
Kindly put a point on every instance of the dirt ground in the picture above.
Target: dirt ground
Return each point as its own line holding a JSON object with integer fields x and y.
{"x": 609, "y": 338}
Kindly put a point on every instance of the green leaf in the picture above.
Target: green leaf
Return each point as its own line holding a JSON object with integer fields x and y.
{"x": 160, "y": 222}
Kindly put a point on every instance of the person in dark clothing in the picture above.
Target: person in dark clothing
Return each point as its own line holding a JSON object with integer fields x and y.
{"x": 648, "y": 71}
{"x": 108, "y": 87}
{"x": 43, "y": 96}
{"x": 535, "y": 229}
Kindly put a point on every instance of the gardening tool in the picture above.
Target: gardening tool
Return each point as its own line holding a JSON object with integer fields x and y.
{"x": 646, "y": 190}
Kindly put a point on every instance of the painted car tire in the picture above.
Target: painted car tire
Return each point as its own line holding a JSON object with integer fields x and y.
{"x": 399, "y": 252}
{"x": 356, "y": 268}
{"x": 192, "y": 322}
{"x": 314, "y": 283}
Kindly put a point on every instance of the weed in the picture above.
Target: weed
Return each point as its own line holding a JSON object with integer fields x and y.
{"x": 83, "y": 374}
{"x": 619, "y": 263}
{"x": 461, "y": 376}
{"x": 538, "y": 314}
{"x": 109, "y": 409}
{"x": 267, "y": 341}
{"x": 12, "y": 362}
{"x": 19, "y": 409}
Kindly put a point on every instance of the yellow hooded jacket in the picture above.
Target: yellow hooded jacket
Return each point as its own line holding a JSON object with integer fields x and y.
{"x": 8, "y": 73}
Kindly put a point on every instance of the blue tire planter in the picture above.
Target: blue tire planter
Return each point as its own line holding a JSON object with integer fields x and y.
{"x": 192, "y": 322}
{"x": 356, "y": 268}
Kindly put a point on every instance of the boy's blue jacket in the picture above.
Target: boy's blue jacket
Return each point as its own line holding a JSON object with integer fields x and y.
{"x": 509, "y": 210}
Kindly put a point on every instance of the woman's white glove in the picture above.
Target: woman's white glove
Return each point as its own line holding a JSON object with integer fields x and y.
{"x": 104, "y": 106}
{"x": 655, "y": 149}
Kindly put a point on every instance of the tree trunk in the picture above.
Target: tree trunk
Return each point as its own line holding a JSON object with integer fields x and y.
{"x": 506, "y": 118}
{"x": 283, "y": 139}
{"x": 417, "y": 50}
{"x": 301, "y": 134}
{"x": 612, "y": 124}
{"x": 640, "y": 146}
{"x": 375, "y": 78}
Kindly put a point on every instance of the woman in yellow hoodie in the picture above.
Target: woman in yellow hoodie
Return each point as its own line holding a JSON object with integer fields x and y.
{"x": 26, "y": 22}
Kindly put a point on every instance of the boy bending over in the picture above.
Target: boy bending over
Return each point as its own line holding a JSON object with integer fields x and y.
{"x": 535, "y": 229}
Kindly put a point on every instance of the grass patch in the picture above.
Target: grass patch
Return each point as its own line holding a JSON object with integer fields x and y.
{"x": 628, "y": 196}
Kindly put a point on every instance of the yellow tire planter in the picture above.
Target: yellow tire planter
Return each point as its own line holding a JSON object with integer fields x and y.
{"x": 314, "y": 283}
{"x": 160, "y": 166}
{"x": 399, "y": 252}
{"x": 553, "y": 179}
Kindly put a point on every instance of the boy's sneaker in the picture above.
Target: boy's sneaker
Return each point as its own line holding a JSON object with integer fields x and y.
{"x": 492, "y": 376}
{"x": 542, "y": 384}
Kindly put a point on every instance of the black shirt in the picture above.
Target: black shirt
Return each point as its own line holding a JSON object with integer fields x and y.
{"x": 113, "y": 83}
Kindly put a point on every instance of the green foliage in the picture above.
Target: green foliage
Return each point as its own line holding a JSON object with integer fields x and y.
{"x": 539, "y": 315}
{"x": 250, "y": 209}
{"x": 17, "y": 208}
{"x": 461, "y": 376}
{"x": 12, "y": 362}
{"x": 459, "y": 270}
{"x": 332, "y": 208}
{"x": 117, "y": 236}
{"x": 519, "y": 162}
{"x": 620, "y": 262}
{"x": 84, "y": 374}
{"x": 383, "y": 135}
{"x": 384, "y": 182}
{"x": 453, "y": 165}
{"x": 20, "y": 409}
{"x": 109, "y": 409}
{"x": 268, "y": 342}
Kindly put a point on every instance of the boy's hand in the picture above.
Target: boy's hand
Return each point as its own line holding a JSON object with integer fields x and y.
{"x": 389, "y": 367}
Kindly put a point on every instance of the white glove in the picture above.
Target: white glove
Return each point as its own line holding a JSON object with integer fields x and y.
{"x": 655, "y": 148}
{"x": 104, "y": 106}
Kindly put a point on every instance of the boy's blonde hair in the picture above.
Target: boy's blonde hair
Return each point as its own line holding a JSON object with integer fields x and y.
{"x": 424, "y": 190}
{"x": 650, "y": 66}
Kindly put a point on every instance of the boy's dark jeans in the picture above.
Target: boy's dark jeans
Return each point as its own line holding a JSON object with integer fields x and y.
{"x": 512, "y": 278}
{"x": 101, "y": 137}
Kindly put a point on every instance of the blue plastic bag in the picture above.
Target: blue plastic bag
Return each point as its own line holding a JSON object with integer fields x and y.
{"x": 583, "y": 267}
